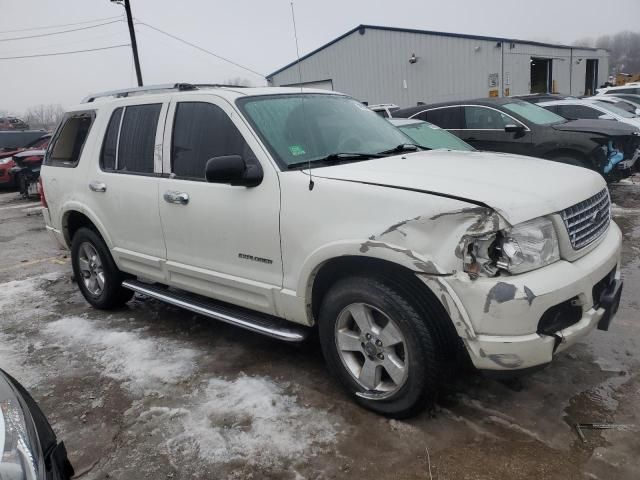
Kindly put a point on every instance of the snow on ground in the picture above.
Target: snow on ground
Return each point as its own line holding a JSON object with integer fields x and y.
{"x": 141, "y": 364}
{"x": 249, "y": 419}
{"x": 203, "y": 420}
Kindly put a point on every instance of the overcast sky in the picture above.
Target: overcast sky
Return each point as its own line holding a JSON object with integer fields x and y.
{"x": 257, "y": 34}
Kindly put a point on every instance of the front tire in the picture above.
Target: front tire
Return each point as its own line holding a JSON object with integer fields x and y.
{"x": 379, "y": 347}
{"x": 96, "y": 273}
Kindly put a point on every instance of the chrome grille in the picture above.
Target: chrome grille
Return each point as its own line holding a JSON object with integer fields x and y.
{"x": 587, "y": 220}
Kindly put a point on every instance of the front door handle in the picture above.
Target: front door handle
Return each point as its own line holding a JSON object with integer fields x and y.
{"x": 97, "y": 187}
{"x": 180, "y": 198}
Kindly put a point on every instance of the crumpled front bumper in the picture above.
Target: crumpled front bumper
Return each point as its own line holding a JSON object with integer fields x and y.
{"x": 499, "y": 318}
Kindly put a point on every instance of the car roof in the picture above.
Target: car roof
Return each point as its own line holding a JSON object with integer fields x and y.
{"x": 230, "y": 93}
{"x": 576, "y": 101}
{"x": 487, "y": 102}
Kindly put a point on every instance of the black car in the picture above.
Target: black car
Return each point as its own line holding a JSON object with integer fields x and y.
{"x": 514, "y": 126}
{"x": 31, "y": 450}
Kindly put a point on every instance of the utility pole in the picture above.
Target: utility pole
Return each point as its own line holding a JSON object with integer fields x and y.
{"x": 132, "y": 34}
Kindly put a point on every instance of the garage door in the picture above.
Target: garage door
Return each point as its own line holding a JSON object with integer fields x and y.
{"x": 321, "y": 84}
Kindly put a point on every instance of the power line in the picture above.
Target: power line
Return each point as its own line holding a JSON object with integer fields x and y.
{"x": 60, "y": 32}
{"x": 200, "y": 48}
{"x": 59, "y": 25}
{"x": 67, "y": 53}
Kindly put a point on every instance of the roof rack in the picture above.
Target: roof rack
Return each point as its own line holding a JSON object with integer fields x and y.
{"x": 168, "y": 87}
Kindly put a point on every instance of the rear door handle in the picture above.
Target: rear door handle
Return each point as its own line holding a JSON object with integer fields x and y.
{"x": 180, "y": 198}
{"x": 97, "y": 187}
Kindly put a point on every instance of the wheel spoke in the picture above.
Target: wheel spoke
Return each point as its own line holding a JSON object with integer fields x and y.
{"x": 370, "y": 374}
{"x": 91, "y": 284}
{"x": 348, "y": 341}
{"x": 390, "y": 335}
{"x": 394, "y": 367}
{"x": 362, "y": 316}
{"x": 83, "y": 263}
{"x": 100, "y": 279}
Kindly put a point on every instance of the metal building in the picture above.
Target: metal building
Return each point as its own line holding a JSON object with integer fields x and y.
{"x": 392, "y": 65}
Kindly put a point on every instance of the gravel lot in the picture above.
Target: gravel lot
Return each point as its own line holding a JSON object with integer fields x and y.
{"x": 152, "y": 391}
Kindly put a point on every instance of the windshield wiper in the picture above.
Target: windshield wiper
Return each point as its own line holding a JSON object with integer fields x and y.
{"x": 404, "y": 147}
{"x": 336, "y": 158}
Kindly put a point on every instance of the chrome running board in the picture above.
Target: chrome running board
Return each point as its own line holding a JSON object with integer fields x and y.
{"x": 268, "y": 325}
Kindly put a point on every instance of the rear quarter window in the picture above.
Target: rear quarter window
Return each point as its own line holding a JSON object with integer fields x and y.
{"x": 68, "y": 142}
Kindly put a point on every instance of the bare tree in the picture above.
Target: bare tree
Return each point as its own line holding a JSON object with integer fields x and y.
{"x": 44, "y": 116}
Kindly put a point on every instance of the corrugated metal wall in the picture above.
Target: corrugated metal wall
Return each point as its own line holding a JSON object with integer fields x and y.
{"x": 374, "y": 67}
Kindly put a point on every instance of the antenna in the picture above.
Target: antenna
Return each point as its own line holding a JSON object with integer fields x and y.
{"x": 295, "y": 35}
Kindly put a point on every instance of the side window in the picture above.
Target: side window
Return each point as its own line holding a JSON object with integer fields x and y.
{"x": 68, "y": 142}
{"x": 202, "y": 131}
{"x": 450, "y": 118}
{"x": 138, "y": 138}
{"x": 634, "y": 91}
{"x": 578, "y": 111}
{"x": 481, "y": 118}
{"x": 110, "y": 143}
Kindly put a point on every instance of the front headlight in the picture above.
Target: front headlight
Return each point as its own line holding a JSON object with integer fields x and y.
{"x": 4, "y": 161}
{"x": 522, "y": 248}
{"x": 21, "y": 456}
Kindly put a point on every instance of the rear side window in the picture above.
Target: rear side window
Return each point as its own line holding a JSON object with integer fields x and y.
{"x": 450, "y": 118}
{"x": 108, "y": 155}
{"x": 482, "y": 118}
{"x": 138, "y": 138}
{"x": 68, "y": 142}
{"x": 202, "y": 131}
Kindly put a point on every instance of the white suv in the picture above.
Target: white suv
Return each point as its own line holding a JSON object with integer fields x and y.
{"x": 280, "y": 209}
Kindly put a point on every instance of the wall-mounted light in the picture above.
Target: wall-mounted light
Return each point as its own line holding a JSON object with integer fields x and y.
{"x": 477, "y": 48}
{"x": 413, "y": 59}
{"x": 578, "y": 61}
{"x": 498, "y": 44}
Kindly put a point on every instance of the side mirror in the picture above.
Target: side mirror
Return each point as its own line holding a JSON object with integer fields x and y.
{"x": 232, "y": 169}
{"x": 512, "y": 128}
{"x": 606, "y": 116}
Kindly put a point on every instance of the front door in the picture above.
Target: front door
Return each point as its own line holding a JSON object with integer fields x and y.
{"x": 484, "y": 128}
{"x": 222, "y": 241}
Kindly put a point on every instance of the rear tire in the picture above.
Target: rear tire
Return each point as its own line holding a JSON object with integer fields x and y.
{"x": 96, "y": 273}
{"x": 379, "y": 347}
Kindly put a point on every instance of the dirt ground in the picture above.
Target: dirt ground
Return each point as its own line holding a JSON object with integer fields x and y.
{"x": 152, "y": 391}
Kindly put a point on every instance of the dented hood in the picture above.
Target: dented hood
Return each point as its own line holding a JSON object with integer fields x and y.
{"x": 519, "y": 188}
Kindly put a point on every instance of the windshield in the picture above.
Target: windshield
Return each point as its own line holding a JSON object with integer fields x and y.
{"x": 615, "y": 110}
{"x": 534, "y": 113}
{"x": 308, "y": 127}
{"x": 433, "y": 137}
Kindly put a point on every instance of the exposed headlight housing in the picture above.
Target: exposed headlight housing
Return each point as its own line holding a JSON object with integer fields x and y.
{"x": 524, "y": 247}
{"x": 21, "y": 456}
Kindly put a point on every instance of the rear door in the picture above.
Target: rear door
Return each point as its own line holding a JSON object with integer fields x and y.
{"x": 222, "y": 241}
{"x": 123, "y": 186}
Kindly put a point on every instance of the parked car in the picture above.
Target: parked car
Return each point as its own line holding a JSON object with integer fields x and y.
{"x": 385, "y": 110}
{"x": 31, "y": 450}
{"x": 12, "y": 123}
{"x": 12, "y": 143}
{"x": 26, "y": 171}
{"x": 625, "y": 105}
{"x": 628, "y": 97}
{"x": 541, "y": 97}
{"x": 587, "y": 109}
{"x": 430, "y": 136}
{"x": 629, "y": 88}
{"x": 514, "y": 126}
{"x": 281, "y": 209}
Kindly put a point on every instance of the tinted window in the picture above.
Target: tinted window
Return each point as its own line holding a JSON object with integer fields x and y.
{"x": 69, "y": 140}
{"x": 481, "y": 118}
{"x": 635, "y": 91}
{"x": 202, "y": 131}
{"x": 138, "y": 138}
{"x": 533, "y": 113}
{"x": 449, "y": 118}
{"x": 12, "y": 140}
{"x": 578, "y": 111}
{"x": 108, "y": 156}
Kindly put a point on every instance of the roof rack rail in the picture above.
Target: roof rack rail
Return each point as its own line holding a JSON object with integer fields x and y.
{"x": 181, "y": 87}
